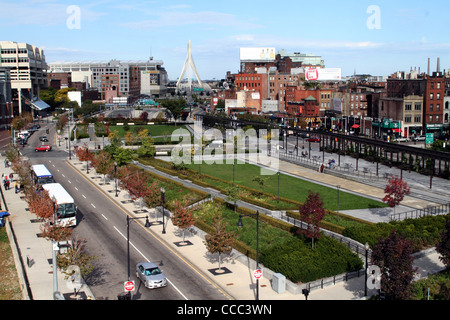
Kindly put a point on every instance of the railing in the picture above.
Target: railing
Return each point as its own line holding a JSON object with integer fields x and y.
{"x": 414, "y": 214}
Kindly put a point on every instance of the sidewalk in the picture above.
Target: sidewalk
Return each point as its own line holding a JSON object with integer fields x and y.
{"x": 33, "y": 254}
{"x": 237, "y": 284}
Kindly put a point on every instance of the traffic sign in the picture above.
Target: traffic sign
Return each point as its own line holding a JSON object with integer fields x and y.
{"x": 128, "y": 286}
{"x": 257, "y": 274}
{"x": 429, "y": 138}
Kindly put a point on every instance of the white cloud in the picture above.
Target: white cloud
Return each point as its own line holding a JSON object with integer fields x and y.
{"x": 177, "y": 19}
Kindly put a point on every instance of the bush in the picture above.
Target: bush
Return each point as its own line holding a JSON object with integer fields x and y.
{"x": 423, "y": 232}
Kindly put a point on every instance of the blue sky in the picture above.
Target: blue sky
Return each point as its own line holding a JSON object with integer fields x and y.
{"x": 406, "y": 34}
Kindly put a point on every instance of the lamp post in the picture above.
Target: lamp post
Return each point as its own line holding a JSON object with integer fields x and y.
{"x": 366, "y": 247}
{"x": 147, "y": 225}
{"x": 278, "y": 174}
{"x": 240, "y": 224}
{"x": 338, "y": 188}
{"x": 87, "y": 160}
{"x": 115, "y": 176}
{"x": 163, "y": 192}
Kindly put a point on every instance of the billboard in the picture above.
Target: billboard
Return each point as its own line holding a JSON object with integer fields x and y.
{"x": 322, "y": 74}
{"x": 257, "y": 54}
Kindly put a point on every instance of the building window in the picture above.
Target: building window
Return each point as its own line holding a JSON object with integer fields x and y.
{"x": 408, "y": 106}
{"x": 431, "y": 107}
{"x": 418, "y": 106}
{"x": 431, "y": 96}
{"x": 407, "y": 119}
{"x": 417, "y": 119}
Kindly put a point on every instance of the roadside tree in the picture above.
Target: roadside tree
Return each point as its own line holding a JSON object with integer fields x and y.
{"x": 221, "y": 241}
{"x": 182, "y": 215}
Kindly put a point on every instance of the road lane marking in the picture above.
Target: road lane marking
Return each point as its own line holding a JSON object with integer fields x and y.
{"x": 93, "y": 206}
{"x": 195, "y": 269}
{"x": 146, "y": 259}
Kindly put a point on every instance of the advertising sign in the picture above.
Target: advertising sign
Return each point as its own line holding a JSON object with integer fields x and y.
{"x": 319, "y": 74}
{"x": 257, "y": 54}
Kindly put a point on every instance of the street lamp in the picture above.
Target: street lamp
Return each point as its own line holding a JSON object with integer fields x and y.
{"x": 366, "y": 247}
{"x": 163, "y": 192}
{"x": 240, "y": 224}
{"x": 87, "y": 160}
{"x": 338, "y": 188}
{"x": 115, "y": 176}
{"x": 147, "y": 225}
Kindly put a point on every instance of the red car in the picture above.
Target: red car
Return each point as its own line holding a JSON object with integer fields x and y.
{"x": 44, "y": 147}
{"x": 313, "y": 139}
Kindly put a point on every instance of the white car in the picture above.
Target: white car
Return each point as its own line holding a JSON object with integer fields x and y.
{"x": 419, "y": 138}
{"x": 402, "y": 139}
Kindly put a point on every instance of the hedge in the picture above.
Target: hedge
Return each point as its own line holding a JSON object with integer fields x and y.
{"x": 424, "y": 232}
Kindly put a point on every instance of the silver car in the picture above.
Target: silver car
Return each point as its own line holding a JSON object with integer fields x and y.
{"x": 150, "y": 275}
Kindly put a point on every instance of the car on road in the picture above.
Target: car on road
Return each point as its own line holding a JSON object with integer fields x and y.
{"x": 43, "y": 138}
{"x": 44, "y": 147}
{"x": 313, "y": 139}
{"x": 401, "y": 139}
{"x": 150, "y": 275}
{"x": 419, "y": 138}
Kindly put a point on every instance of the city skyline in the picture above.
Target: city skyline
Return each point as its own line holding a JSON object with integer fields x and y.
{"x": 366, "y": 37}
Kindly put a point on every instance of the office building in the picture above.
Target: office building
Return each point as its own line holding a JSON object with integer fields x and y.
{"x": 28, "y": 73}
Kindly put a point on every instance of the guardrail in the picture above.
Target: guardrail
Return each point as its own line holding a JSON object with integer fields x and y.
{"x": 414, "y": 214}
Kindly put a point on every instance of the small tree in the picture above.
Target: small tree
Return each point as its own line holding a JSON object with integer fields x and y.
{"x": 443, "y": 247}
{"x": 393, "y": 256}
{"x": 153, "y": 197}
{"x": 221, "y": 240}
{"x": 395, "y": 191}
{"x": 312, "y": 212}
{"x": 233, "y": 195}
{"x": 182, "y": 215}
{"x": 102, "y": 163}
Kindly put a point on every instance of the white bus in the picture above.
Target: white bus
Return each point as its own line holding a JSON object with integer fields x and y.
{"x": 67, "y": 210}
{"x": 41, "y": 175}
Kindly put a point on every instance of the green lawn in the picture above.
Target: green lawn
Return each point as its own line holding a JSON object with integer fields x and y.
{"x": 290, "y": 187}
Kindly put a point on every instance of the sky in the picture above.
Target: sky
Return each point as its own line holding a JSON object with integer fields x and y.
{"x": 374, "y": 37}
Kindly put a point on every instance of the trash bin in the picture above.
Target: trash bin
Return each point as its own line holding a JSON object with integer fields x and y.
{"x": 279, "y": 283}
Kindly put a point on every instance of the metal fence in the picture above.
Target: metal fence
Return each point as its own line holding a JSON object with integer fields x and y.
{"x": 414, "y": 214}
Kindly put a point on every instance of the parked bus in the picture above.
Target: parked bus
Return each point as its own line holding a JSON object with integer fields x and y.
{"x": 41, "y": 175}
{"x": 67, "y": 210}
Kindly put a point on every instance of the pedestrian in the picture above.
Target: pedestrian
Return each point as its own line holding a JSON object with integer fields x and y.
{"x": 16, "y": 187}
{"x": 11, "y": 176}
{"x": 7, "y": 184}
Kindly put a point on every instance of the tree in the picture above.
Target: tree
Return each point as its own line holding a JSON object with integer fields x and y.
{"x": 76, "y": 255}
{"x": 175, "y": 107}
{"x": 395, "y": 191}
{"x": 182, "y": 215}
{"x": 312, "y": 212}
{"x": 147, "y": 148}
{"x": 233, "y": 195}
{"x": 153, "y": 197}
{"x": 443, "y": 246}
{"x": 221, "y": 240}
{"x": 102, "y": 163}
{"x": 136, "y": 184}
{"x": 393, "y": 256}
{"x": 40, "y": 203}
